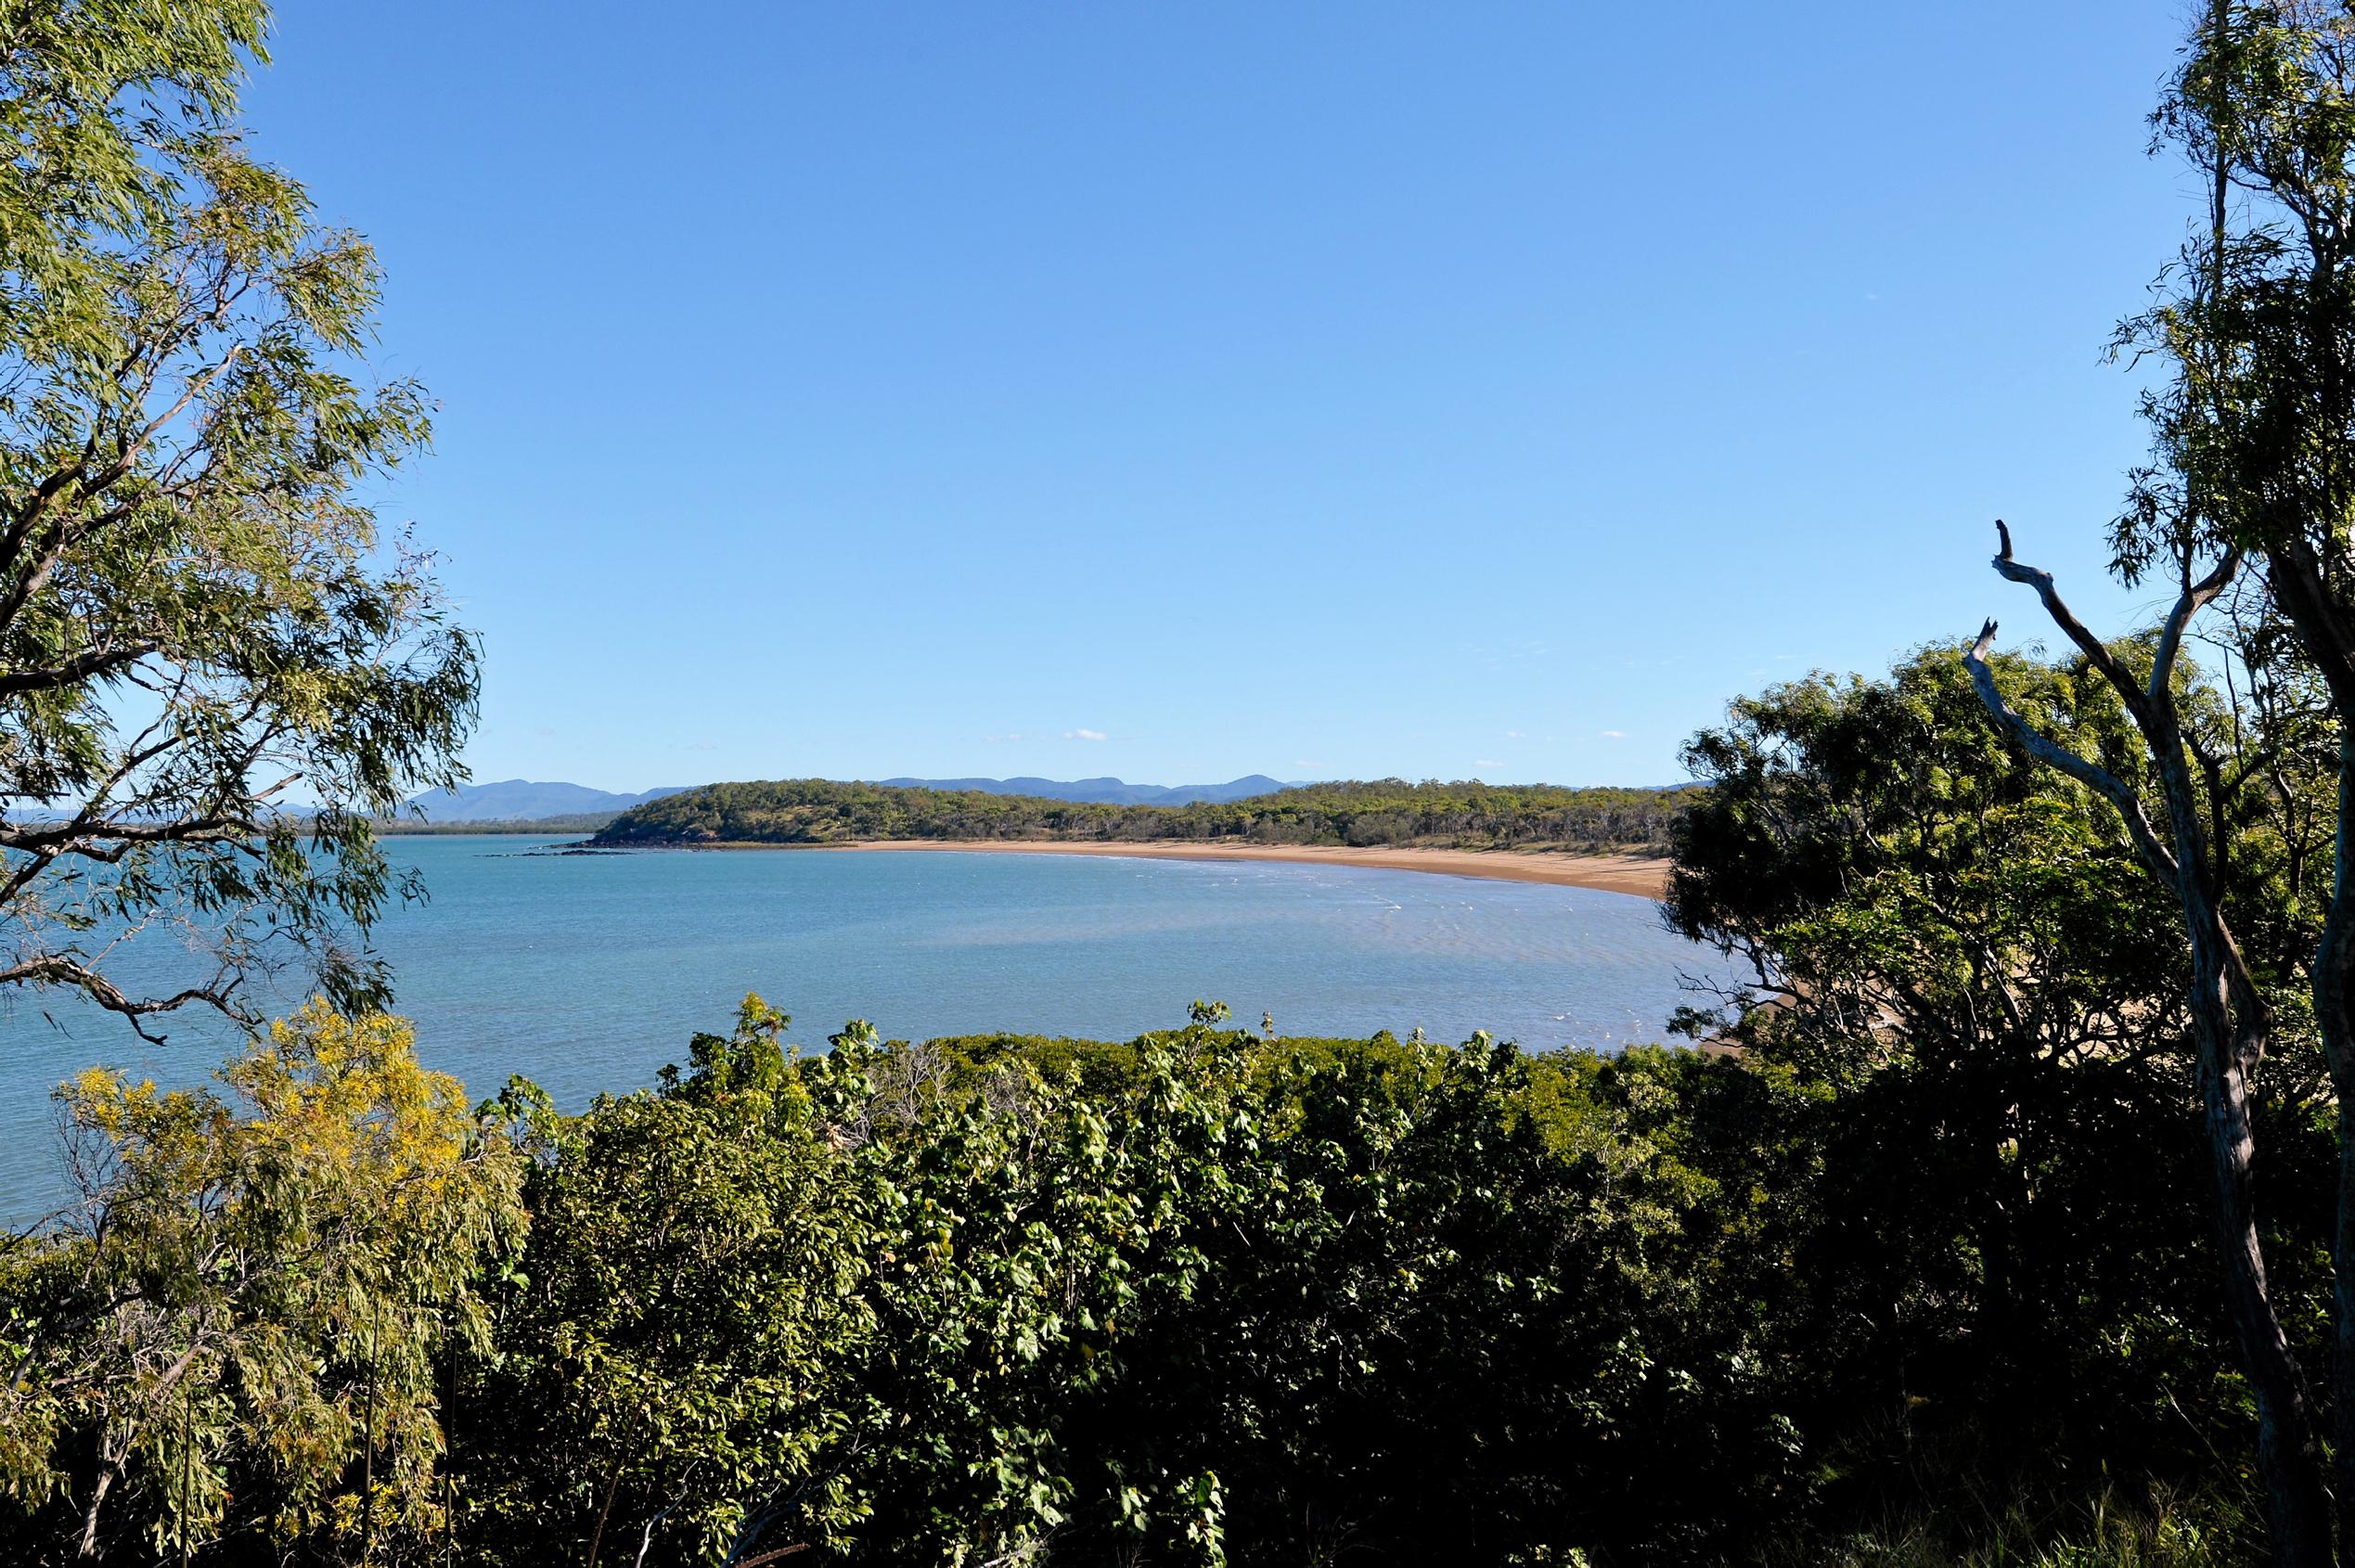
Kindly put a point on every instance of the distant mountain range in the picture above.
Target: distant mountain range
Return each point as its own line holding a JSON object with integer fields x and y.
{"x": 521, "y": 800}
{"x": 1103, "y": 791}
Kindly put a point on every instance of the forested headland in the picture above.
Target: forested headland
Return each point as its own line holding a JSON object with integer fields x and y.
{"x": 1387, "y": 812}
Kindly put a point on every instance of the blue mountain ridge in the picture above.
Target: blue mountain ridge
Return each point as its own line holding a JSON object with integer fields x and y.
{"x": 522, "y": 800}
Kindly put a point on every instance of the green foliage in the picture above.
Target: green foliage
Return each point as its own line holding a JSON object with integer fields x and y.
{"x": 2033, "y": 1528}
{"x": 691, "y": 1322}
{"x": 234, "y": 1335}
{"x": 198, "y": 621}
{"x": 1874, "y": 848}
{"x": 1197, "y": 1298}
{"x": 2252, "y": 417}
{"x": 1468, "y": 814}
{"x": 1976, "y": 998}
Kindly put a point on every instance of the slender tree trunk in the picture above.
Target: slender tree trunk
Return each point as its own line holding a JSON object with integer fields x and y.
{"x": 2228, "y": 1019}
{"x": 2228, "y": 1029}
{"x": 612, "y": 1485}
{"x": 2335, "y": 1014}
{"x": 2343, "y": 1324}
{"x": 2297, "y": 1504}
{"x": 111, "y": 1457}
{"x": 187, "y": 1439}
{"x": 368, "y": 1472}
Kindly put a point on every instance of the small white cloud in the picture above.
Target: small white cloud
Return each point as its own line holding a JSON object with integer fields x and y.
{"x": 1002, "y": 740}
{"x": 1083, "y": 735}
{"x": 1615, "y": 735}
{"x": 1488, "y": 762}
{"x": 1513, "y": 735}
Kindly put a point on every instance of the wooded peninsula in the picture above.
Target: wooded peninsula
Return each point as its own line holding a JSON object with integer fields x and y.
{"x": 1385, "y": 813}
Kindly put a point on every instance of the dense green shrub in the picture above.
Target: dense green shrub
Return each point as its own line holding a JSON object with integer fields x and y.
{"x": 1200, "y": 1294}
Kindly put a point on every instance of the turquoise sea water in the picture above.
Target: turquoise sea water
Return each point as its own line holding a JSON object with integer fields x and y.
{"x": 588, "y": 972}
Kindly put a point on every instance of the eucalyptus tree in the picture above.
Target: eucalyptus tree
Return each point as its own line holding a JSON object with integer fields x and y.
{"x": 1950, "y": 946}
{"x": 213, "y": 674}
{"x": 2253, "y": 469}
{"x": 2149, "y": 775}
{"x": 2254, "y": 428}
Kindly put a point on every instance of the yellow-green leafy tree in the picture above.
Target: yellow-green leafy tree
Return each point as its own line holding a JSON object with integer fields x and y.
{"x": 235, "y": 1329}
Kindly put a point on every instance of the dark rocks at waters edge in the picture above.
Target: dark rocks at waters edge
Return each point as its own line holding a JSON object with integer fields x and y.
{"x": 577, "y": 846}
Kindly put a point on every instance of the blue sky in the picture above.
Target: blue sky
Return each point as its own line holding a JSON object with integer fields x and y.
{"x": 1180, "y": 391}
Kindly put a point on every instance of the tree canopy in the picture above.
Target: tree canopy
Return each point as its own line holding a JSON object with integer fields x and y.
{"x": 213, "y": 670}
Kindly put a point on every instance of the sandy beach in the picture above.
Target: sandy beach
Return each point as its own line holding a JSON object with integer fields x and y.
{"x": 1644, "y": 875}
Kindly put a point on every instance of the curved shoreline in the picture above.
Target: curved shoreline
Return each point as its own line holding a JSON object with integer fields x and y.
{"x": 1642, "y": 876}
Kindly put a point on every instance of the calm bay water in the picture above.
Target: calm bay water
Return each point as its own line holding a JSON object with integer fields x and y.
{"x": 588, "y": 972}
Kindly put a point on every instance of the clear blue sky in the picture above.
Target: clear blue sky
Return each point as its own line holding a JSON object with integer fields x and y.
{"x": 1177, "y": 392}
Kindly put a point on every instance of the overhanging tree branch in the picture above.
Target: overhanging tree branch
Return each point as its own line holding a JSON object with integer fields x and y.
{"x": 2129, "y": 806}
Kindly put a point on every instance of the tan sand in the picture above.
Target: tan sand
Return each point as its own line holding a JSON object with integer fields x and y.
{"x": 1645, "y": 876}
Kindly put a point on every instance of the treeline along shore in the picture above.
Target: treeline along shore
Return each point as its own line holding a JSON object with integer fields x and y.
{"x": 1385, "y": 814}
